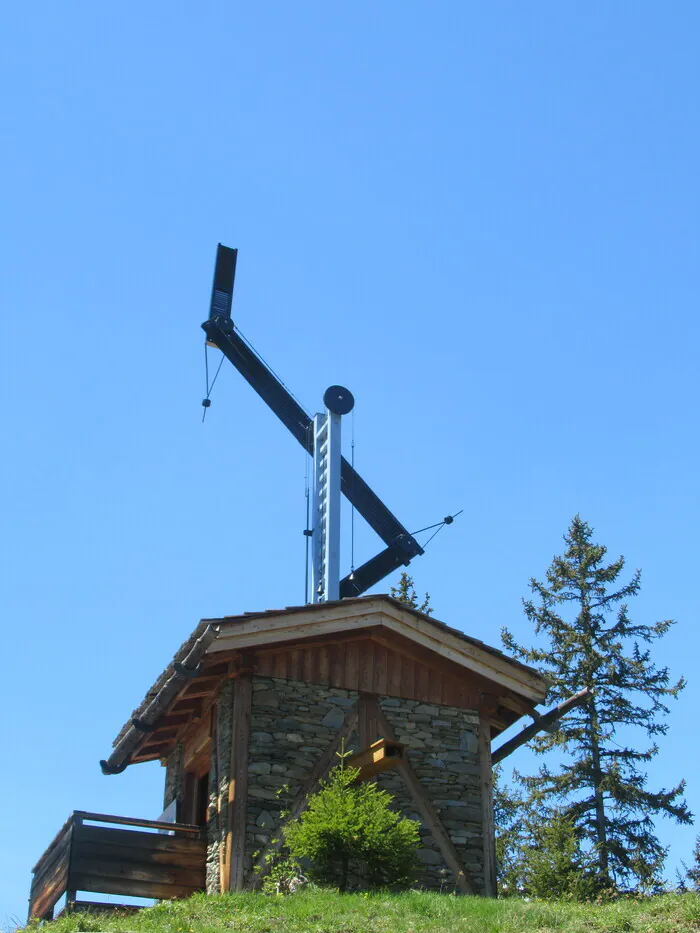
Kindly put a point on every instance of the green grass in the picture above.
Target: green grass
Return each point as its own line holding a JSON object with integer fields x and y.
{"x": 414, "y": 912}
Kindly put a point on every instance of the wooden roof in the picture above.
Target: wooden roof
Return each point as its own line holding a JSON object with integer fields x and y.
{"x": 371, "y": 643}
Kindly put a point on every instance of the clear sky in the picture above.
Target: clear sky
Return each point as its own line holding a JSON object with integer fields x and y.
{"x": 482, "y": 218}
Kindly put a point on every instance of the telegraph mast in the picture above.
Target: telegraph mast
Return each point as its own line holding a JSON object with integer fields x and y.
{"x": 320, "y": 437}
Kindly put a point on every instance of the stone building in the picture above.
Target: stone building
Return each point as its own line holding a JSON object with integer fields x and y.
{"x": 248, "y": 718}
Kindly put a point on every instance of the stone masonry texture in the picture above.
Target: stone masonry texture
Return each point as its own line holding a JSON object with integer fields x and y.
{"x": 443, "y": 750}
{"x": 217, "y": 823}
{"x": 292, "y": 724}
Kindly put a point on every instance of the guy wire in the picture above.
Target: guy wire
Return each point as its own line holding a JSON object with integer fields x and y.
{"x": 276, "y": 375}
{"x": 206, "y": 376}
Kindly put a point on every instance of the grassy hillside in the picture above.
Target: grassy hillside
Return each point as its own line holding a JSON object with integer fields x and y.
{"x": 324, "y": 912}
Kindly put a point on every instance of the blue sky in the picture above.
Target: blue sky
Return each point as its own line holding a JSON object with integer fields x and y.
{"x": 483, "y": 219}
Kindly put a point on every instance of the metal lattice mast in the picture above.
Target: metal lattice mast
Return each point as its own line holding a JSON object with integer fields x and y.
{"x": 325, "y": 539}
{"x": 326, "y": 508}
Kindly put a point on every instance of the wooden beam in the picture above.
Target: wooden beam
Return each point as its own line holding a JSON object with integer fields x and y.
{"x": 80, "y": 816}
{"x": 430, "y": 817}
{"x": 545, "y": 720}
{"x": 186, "y": 705}
{"x": 196, "y": 738}
{"x": 246, "y": 629}
{"x": 173, "y": 719}
{"x": 238, "y": 780}
{"x": 146, "y": 752}
{"x": 323, "y": 765}
{"x": 163, "y": 733}
{"x": 214, "y": 667}
{"x": 201, "y": 687}
{"x": 324, "y": 641}
{"x": 517, "y": 704}
{"x": 366, "y": 706}
{"x": 487, "y": 816}
{"x": 379, "y": 756}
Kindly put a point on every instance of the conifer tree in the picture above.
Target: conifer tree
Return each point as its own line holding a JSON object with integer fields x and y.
{"x": 405, "y": 592}
{"x": 349, "y": 830}
{"x": 538, "y": 852}
{"x": 581, "y": 613}
{"x": 509, "y": 813}
{"x": 693, "y": 873}
{"x": 553, "y": 863}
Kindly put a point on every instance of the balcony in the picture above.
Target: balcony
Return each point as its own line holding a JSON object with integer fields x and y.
{"x": 120, "y": 858}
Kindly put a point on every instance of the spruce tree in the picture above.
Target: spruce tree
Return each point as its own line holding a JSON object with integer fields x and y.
{"x": 553, "y": 864}
{"x": 581, "y": 613}
{"x": 538, "y": 851}
{"x": 510, "y": 812}
{"x": 693, "y": 873}
{"x": 348, "y": 830}
{"x": 405, "y": 592}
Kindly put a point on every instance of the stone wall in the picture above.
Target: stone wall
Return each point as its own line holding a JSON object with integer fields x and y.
{"x": 292, "y": 724}
{"x": 443, "y": 750}
{"x": 217, "y": 822}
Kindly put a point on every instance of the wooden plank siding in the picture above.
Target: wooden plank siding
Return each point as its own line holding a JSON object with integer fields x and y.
{"x": 137, "y": 864}
{"x": 50, "y": 878}
{"x": 110, "y": 860}
{"x": 257, "y": 631}
{"x": 367, "y": 666}
{"x": 371, "y": 660}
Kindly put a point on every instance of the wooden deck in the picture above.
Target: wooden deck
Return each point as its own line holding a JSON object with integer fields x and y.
{"x": 120, "y": 858}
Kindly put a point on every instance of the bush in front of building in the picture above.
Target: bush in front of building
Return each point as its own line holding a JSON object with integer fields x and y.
{"x": 349, "y": 837}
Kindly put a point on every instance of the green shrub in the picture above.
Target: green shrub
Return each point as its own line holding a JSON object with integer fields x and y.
{"x": 554, "y": 866}
{"x": 349, "y": 837}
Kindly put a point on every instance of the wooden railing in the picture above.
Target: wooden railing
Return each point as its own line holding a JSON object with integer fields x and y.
{"x": 111, "y": 860}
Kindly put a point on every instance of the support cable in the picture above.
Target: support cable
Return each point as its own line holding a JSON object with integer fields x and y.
{"x": 447, "y": 520}
{"x": 442, "y": 525}
{"x": 275, "y": 374}
{"x": 206, "y": 401}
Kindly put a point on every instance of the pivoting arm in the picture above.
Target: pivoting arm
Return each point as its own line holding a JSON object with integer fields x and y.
{"x": 219, "y": 328}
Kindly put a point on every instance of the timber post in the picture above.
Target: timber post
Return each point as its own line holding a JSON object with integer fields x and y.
{"x": 487, "y": 815}
{"x": 238, "y": 780}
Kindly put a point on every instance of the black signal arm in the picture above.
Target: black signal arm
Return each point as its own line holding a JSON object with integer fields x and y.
{"x": 401, "y": 546}
{"x": 375, "y": 569}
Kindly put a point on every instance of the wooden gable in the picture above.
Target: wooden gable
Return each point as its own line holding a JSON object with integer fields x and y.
{"x": 371, "y": 645}
{"x": 371, "y": 663}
